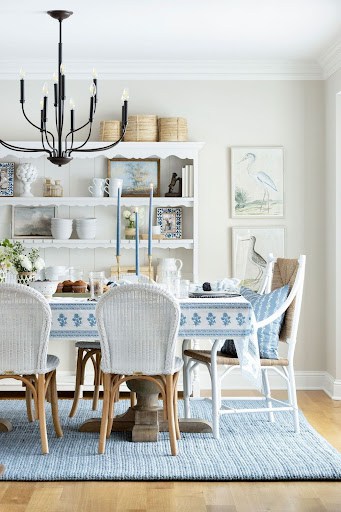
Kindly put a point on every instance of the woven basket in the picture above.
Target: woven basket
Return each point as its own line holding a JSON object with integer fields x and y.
{"x": 141, "y": 129}
{"x": 172, "y": 129}
{"x": 110, "y": 131}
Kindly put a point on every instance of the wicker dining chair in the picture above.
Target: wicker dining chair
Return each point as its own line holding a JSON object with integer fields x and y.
{"x": 285, "y": 272}
{"x": 138, "y": 326}
{"x": 91, "y": 351}
{"x": 24, "y": 336}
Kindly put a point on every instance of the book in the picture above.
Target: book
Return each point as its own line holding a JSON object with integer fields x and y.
{"x": 190, "y": 181}
{"x": 184, "y": 176}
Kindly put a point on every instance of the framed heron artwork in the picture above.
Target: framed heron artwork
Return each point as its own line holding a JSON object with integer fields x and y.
{"x": 257, "y": 182}
{"x": 250, "y": 249}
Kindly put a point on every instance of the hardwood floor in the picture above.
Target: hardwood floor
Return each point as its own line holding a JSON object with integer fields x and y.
{"x": 322, "y": 412}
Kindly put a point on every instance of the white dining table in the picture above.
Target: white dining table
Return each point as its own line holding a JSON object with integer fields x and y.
{"x": 214, "y": 318}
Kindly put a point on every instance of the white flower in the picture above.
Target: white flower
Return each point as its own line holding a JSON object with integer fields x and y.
{"x": 126, "y": 214}
{"x": 25, "y": 262}
{"x": 39, "y": 263}
{"x": 131, "y": 217}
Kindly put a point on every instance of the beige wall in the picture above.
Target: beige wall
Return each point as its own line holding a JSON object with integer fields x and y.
{"x": 224, "y": 114}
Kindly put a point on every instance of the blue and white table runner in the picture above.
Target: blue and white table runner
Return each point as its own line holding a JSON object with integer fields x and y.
{"x": 214, "y": 318}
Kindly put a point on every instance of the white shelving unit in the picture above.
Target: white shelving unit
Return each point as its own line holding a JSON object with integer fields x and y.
{"x": 173, "y": 155}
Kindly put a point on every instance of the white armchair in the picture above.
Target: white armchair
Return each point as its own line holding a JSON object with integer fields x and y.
{"x": 285, "y": 271}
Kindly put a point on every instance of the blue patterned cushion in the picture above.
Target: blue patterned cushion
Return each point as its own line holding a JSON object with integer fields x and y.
{"x": 263, "y": 306}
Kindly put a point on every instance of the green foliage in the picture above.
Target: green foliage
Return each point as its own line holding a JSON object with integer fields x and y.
{"x": 240, "y": 197}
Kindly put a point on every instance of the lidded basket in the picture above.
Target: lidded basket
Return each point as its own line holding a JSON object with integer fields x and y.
{"x": 142, "y": 129}
{"x": 172, "y": 129}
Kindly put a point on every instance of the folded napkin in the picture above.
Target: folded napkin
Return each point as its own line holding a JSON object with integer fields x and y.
{"x": 126, "y": 279}
{"x": 224, "y": 285}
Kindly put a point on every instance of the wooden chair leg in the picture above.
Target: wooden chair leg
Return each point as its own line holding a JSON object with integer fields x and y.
{"x": 29, "y": 398}
{"x": 78, "y": 383}
{"x": 41, "y": 413}
{"x": 175, "y": 401}
{"x": 97, "y": 380}
{"x": 105, "y": 412}
{"x": 111, "y": 405}
{"x": 170, "y": 411}
{"x": 54, "y": 405}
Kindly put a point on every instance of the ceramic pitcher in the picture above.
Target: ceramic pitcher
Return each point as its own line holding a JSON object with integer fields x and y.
{"x": 167, "y": 266}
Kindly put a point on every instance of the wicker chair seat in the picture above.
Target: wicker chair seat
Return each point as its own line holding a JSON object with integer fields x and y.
{"x": 205, "y": 357}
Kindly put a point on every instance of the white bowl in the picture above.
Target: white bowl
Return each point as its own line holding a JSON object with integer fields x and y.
{"x": 85, "y": 221}
{"x": 57, "y": 220}
{"x": 85, "y": 233}
{"x": 61, "y": 232}
{"x": 46, "y": 288}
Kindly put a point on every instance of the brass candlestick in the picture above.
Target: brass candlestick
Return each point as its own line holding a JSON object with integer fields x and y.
{"x": 118, "y": 267}
{"x": 150, "y": 267}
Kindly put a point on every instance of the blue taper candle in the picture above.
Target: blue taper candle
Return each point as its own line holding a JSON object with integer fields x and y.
{"x": 150, "y": 234}
{"x": 137, "y": 262}
{"x": 118, "y": 227}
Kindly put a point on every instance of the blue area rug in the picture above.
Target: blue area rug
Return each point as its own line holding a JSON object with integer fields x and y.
{"x": 250, "y": 448}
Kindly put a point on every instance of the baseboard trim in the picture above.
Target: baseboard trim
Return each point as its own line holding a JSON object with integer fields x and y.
{"x": 305, "y": 380}
{"x": 332, "y": 386}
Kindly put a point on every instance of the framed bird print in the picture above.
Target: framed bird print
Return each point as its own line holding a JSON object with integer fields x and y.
{"x": 250, "y": 250}
{"x": 257, "y": 183}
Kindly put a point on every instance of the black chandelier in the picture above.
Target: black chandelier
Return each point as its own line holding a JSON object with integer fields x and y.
{"x": 60, "y": 152}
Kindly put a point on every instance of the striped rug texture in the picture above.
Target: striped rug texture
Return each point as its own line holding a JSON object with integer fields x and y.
{"x": 250, "y": 448}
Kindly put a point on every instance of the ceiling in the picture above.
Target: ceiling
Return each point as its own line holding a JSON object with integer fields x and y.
{"x": 151, "y": 36}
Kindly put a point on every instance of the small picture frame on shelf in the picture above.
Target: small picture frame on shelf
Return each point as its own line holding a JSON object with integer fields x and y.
{"x": 32, "y": 221}
{"x": 137, "y": 175}
{"x": 6, "y": 179}
{"x": 170, "y": 221}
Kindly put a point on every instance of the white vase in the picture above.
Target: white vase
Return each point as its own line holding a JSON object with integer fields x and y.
{"x": 27, "y": 174}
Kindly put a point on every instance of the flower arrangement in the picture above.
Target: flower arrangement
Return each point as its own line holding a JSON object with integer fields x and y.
{"x": 6, "y": 255}
{"x": 129, "y": 215}
{"x": 30, "y": 262}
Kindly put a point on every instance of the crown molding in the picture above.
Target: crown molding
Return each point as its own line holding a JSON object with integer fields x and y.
{"x": 170, "y": 70}
{"x": 330, "y": 60}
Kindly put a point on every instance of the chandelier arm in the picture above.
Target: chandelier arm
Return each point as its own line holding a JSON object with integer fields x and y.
{"x": 47, "y": 140}
{"x": 99, "y": 149}
{"x": 86, "y": 140}
{"x": 71, "y": 132}
{"x": 43, "y": 143}
{"x": 38, "y": 128}
{"x": 23, "y": 150}
{"x": 27, "y": 119}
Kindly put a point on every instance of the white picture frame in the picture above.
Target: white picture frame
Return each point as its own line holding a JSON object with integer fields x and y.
{"x": 257, "y": 182}
{"x": 249, "y": 255}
